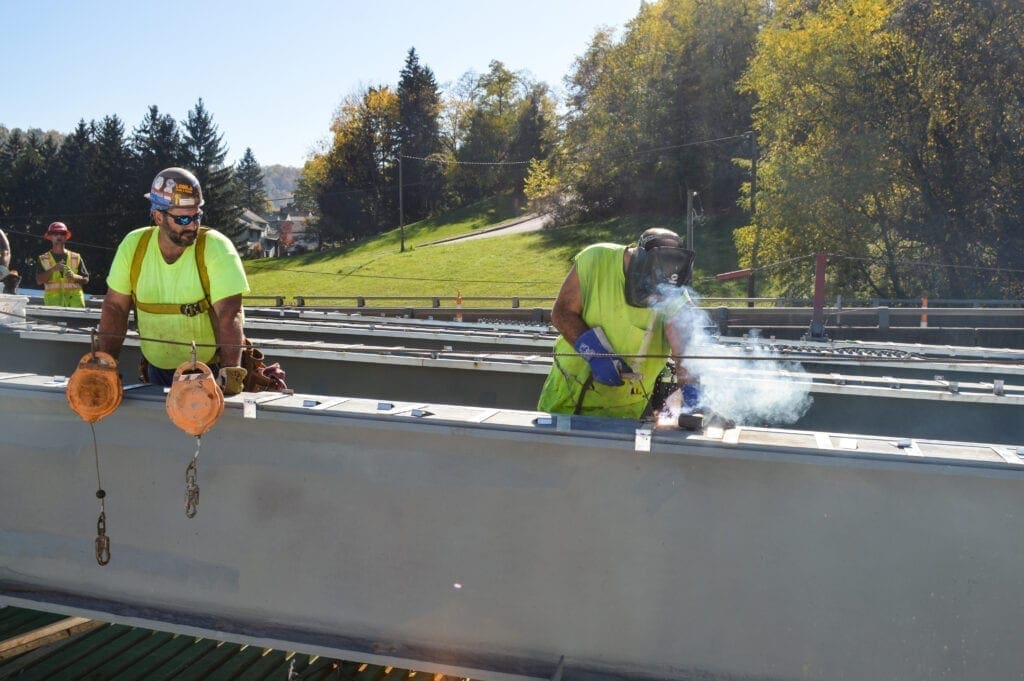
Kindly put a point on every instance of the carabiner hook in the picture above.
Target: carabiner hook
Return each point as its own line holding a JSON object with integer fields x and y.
{"x": 94, "y": 341}
{"x": 194, "y": 355}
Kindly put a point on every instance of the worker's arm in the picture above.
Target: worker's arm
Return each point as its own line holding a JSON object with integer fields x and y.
{"x": 229, "y": 329}
{"x": 82, "y": 275}
{"x": 677, "y": 343}
{"x": 567, "y": 312}
{"x": 591, "y": 344}
{"x": 5, "y": 250}
{"x": 114, "y": 322}
{"x": 43, "y": 276}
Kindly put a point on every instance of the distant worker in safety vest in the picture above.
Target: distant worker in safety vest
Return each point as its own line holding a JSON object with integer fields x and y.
{"x": 186, "y": 282}
{"x": 614, "y": 342}
{"x": 62, "y": 271}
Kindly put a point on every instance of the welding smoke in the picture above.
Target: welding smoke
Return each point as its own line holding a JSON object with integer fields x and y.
{"x": 757, "y": 389}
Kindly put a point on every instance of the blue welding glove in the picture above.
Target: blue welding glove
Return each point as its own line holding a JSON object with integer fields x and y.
{"x": 594, "y": 347}
{"x": 691, "y": 397}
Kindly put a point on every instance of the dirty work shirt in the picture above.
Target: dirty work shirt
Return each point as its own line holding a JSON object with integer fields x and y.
{"x": 603, "y": 290}
{"x": 178, "y": 284}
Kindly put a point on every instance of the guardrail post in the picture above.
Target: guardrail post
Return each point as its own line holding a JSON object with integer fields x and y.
{"x": 722, "y": 317}
{"x": 883, "y": 318}
{"x": 435, "y": 302}
{"x": 300, "y": 301}
{"x": 278, "y": 301}
{"x": 515, "y": 303}
{"x": 360, "y": 301}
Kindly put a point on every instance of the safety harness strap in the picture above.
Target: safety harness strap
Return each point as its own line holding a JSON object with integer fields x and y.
{"x": 188, "y": 309}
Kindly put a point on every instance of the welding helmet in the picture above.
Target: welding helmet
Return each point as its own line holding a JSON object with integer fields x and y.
{"x": 658, "y": 259}
{"x": 194, "y": 401}
{"x": 175, "y": 188}
{"x": 94, "y": 391}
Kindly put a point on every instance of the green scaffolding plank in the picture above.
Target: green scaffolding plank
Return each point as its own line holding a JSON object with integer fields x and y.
{"x": 83, "y": 655}
{"x": 188, "y": 656}
{"x": 169, "y": 648}
{"x": 18, "y": 621}
{"x": 238, "y": 667}
{"x": 202, "y": 666}
{"x": 131, "y": 659}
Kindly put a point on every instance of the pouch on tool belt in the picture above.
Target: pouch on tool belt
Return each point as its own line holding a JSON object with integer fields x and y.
{"x": 195, "y": 401}
{"x": 94, "y": 390}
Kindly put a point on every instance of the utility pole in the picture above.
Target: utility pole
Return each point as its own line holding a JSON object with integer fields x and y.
{"x": 690, "y": 196}
{"x": 753, "y": 216}
{"x": 401, "y": 208}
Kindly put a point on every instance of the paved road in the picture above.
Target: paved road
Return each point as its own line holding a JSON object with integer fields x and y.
{"x": 525, "y": 223}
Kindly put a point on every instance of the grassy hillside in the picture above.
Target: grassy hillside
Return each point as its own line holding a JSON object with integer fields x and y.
{"x": 525, "y": 265}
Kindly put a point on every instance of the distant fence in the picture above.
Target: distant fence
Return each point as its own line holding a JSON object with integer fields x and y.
{"x": 433, "y": 301}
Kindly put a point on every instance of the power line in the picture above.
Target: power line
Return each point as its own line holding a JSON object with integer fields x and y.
{"x": 465, "y": 163}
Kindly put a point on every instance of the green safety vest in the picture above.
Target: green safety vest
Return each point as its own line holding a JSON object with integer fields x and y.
{"x": 59, "y": 290}
{"x": 569, "y": 388}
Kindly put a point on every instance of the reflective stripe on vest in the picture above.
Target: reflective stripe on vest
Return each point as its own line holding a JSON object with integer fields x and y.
{"x": 58, "y": 290}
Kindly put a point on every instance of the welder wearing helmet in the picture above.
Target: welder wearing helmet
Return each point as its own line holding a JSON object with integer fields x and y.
{"x": 159, "y": 269}
{"x": 614, "y": 342}
{"x": 62, "y": 271}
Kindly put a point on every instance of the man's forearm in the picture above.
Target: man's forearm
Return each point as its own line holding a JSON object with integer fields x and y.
{"x": 569, "y": 324}
{"x": 113, "y": 327}
{"x": 229, "y": 338}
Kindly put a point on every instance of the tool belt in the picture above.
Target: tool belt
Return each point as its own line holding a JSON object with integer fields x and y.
{"x": 258, "y": 375}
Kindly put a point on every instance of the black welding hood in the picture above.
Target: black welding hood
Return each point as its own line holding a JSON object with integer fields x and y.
{"x": 659, "y": 258}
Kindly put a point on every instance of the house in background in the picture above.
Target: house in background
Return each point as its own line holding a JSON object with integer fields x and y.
{"x": 293, "y": 233}
{"x": 252, "y": 235}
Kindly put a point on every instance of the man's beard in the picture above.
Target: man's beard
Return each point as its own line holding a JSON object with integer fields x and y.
{"x": 186, "y": 238}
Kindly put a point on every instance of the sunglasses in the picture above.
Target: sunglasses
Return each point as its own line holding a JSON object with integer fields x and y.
{"x": 184, "y": 220}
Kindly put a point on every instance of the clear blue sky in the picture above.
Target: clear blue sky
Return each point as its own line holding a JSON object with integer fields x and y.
{"x": 271, "y": 73}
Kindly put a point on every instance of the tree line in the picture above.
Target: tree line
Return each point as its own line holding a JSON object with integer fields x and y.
{"x": 94, "y": 178}
{"x": 886, "y": 133}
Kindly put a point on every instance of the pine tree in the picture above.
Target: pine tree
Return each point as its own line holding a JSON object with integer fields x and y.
{"x": 157, "y": 144}
{"x": 114, "y": 202}
{"x": 250, "y": 183}
{"x": 419, "y": 105}
{"x": 204, "y": 155}
{"x": 72, "y": 170}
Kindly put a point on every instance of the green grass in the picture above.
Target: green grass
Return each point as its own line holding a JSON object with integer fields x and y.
{"x": 524, "y": 265}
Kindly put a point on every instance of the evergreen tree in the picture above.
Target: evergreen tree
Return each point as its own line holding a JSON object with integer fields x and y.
{"x": 419, "y": 105}
{"x": 72, "y": 170}
{"x": 534, "y": 136}
{"x": 204, "y": 155}
{"x": 157, "y": 144}
{"x": 114, "y": 199}
{"x": 250, "y": 183}
{"x": 492, "y": 125}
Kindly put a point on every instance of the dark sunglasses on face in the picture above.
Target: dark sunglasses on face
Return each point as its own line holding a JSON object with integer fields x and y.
{"x": 184, "y": 220}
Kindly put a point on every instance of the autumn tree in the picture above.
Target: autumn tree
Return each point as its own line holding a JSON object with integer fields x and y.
{"x": 355, "y": 182}
{"x": 889, "y": 149}
{"x": 657, "y": 112}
